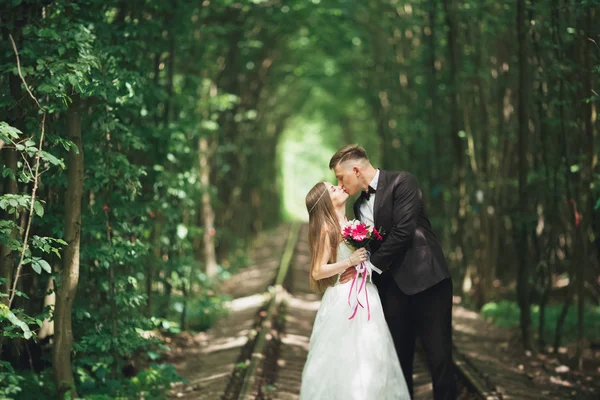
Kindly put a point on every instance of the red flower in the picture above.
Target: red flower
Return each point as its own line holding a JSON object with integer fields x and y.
{"x": 377, "y": 234}
{"x": 359, "y": 233}
{"x": 106, "y": 208}
{"x": 347, "y": 233}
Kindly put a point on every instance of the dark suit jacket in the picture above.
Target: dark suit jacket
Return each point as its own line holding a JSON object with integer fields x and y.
{"x": 410, "y": 251}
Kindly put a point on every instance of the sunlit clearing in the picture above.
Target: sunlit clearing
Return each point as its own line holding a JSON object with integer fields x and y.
{"x": 304, "y": 158}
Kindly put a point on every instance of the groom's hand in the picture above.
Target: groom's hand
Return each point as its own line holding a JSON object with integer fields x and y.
{"x": 347, "y": 275}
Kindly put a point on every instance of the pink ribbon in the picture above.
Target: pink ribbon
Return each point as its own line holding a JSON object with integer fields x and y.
{"x": 360, "y": 269}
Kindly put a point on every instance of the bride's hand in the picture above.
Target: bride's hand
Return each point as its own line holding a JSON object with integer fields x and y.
{"x": 358, "y": 256}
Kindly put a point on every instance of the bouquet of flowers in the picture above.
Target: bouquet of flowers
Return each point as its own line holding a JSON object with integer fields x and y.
{"x": 357, "y": 235}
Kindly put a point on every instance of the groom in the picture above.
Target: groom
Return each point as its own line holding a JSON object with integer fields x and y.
{"x": 415, "y": 285}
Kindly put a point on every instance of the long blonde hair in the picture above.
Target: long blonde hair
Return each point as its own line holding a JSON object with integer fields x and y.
{"x": 323, "y": 228}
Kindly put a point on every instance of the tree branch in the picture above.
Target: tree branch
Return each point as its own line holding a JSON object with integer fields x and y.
{"x": 35, "y": 177}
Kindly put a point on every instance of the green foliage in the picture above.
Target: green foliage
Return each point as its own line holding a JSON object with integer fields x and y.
{"x": 204, "y": 311}
{"x": 35, "y": 386}
{"x": 14, "y": 203}
{"x": 506, "y": 313}
{"x": 151, "y": 383}
{"x": 142, "y": 120}
{"x": 8, "y": 133}
{"x": 15, "y": 322}
{"x": 10, "y": 382}
{"x": 19, "y": 322}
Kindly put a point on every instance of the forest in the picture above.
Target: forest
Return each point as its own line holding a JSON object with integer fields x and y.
{"x": 143, "y": 143}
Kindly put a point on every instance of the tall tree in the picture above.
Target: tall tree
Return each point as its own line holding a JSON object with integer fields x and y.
{"x": 69, "y": 275}
{"x": 523, "y": 288}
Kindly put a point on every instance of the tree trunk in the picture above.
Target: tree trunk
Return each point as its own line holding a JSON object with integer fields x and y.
{"x": 150, "y": 278}
{"x": 487, "y": 266}
{"x": 588, "y": 177}
{"x": 183, "y": 318}
{"x": 560, "y": 322}
{"x": 69, "y": 276}
{"x": 523, "y": 289}
{"x": 457, "y": 143}
{"x": 208, "y": 214}
{"x": 433, "y": 97}
{"x": 455, "y": 123}
{"x": 170, "y": 76}
{"x": 550, "y": 206}
{"x": 168, "y": 290}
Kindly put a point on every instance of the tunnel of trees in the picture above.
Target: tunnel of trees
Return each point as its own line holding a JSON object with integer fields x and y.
{"x": 143, "y": 142}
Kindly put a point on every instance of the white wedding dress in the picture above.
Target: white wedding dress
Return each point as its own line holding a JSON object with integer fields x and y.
{"x": 351, "y": 359}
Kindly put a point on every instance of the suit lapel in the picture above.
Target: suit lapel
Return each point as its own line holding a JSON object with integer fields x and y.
{"x": 379, "y": 195}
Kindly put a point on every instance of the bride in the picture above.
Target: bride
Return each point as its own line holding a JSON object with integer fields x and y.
{"x": 348, "y": 359}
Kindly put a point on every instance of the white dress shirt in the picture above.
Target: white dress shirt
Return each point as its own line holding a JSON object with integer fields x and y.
{"x": 366, "y": 208}
{"x": 366, "y": 213}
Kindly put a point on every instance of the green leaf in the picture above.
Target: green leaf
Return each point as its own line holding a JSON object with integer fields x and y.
{"x": 21, "y": 294}
{"x": 8, "y": 172}
{"x": 44, "y": 264}
{"x": 6, "y": 313}
{"x": 36, "y": 267}
{"x": 153, "y": 356}
{"x": 39, "y": 209}
{"x": 6, "y": 364}
{"x": 46, "y": 88}
{"x": 9, "y": 130}
{"x": 51, "y": 159}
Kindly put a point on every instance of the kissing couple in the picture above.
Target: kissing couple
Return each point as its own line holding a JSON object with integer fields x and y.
{"x": 408, "y": 293}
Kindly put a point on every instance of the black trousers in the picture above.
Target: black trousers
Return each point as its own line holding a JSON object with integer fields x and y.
{"x": 427, "y": 315}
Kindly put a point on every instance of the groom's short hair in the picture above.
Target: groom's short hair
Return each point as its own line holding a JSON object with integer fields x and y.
{"x": 346, "y": 153}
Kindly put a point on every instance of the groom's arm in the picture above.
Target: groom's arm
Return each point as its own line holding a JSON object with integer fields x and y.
{"x": 407, "y": 202}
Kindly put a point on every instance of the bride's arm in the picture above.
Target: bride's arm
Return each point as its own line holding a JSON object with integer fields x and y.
{"x": 325, "y": 270}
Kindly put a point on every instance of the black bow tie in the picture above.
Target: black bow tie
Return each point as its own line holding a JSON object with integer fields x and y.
{"x": 366, "y": 194}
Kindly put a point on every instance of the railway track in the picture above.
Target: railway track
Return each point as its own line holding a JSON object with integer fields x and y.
{"x": 270, "y": 364}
